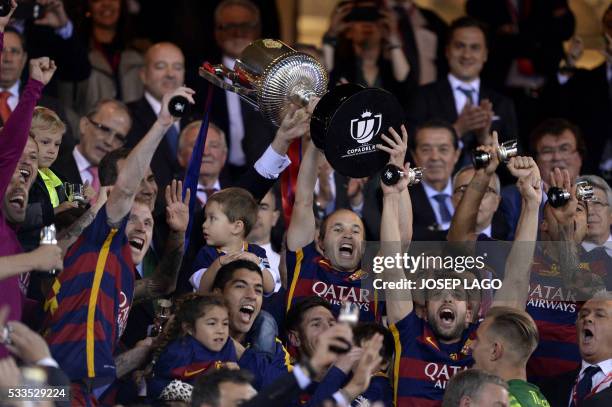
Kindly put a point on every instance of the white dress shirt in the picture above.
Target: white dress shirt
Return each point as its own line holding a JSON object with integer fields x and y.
{"x": 274, "y": 259}
{"x": 460, "y": 98}
{"x": 430, "y": 192}
{"x": 201, "y": 195}
{"x": 487, "y": 231}
{"x": 14, "y": 98}
{"x": 156, "y": 106}
{"x": 605, "y": 368}
{"x": 82, "y": 164}
{"x": 588, "y": 246}
{"x": 235, "y": 155}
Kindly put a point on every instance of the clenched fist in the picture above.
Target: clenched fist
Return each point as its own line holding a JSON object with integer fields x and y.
{"x": 42, "y": 69}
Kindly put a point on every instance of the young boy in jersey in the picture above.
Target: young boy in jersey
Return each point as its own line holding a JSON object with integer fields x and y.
{"x": 433, "y": 348}
{"x": 229, "y": 216}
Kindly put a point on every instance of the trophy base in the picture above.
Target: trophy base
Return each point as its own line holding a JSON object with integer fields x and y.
{"x": 347, "y": 123}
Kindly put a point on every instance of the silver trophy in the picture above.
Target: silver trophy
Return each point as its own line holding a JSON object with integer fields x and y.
{"x": 505, "y": 151}
{"x": 270, "y": 75}
{"x": 558, "y": 197}
{"x": 346, "y": 123}
{"x": 164, "y": 310}
{"x": 391, "y": 175}
{"x": 48, "y": 236}
{"x": 75, "y": 193}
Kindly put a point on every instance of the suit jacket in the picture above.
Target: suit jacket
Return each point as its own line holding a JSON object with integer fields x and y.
{"x": 585, "y": 100}
{"x": 436, "y": 101}
{"x": 164, "y": 164}
{"x": 66, "y": 168}
{"x": 559, "y": 388}
{"x": 258, "y": 132}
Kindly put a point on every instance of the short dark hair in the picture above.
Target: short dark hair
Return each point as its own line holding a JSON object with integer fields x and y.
{"x": 468, "y": 383}
{"x": 226, "y": 272}
{"x": 556, "y": 126}
{"x": 18, "y": 33}
{"x": 435, "y": 124}
{"x": 108, "y": 169}
{"x": 295, "y": 316}
{"x": 237, "y": 204}
{"x": 366, "y": 330}
{"x": 467, "y": 22}
{"x": 323, "y": 225}
{"x": 206, "y": 388}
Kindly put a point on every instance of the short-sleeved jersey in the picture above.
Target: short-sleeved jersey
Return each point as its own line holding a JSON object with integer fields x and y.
{"x": 309, "y": 273}
{"x": 425, "y": 366}
{"x": 185, "y": 359}
{"x": 207, "y": 254}
{"x": 88, "y": 305}
{"x": 524, "y": 394}
{"x": 554, "y": 310}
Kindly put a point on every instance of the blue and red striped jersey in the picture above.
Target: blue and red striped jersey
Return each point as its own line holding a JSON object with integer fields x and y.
{"x": 266, "y": 367}
{"x": 423, "y": 366}
{"x": 185, "y": 359}
{"x": 554, "y": 310}
{"x": 88, "y": 305}
{"x": 309, "y": 273}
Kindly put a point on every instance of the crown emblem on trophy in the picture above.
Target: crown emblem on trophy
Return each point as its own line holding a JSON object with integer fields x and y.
{"x": 365, "y": 114}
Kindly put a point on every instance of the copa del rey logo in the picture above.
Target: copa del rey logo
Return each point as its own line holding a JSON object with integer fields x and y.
{"x": 365, "y": 127}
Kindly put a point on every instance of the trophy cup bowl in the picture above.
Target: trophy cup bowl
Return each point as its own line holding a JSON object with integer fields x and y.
{"x": 75, "y": 193}
{"x": 346, "y": 123}
{"x": 505, "y": 151}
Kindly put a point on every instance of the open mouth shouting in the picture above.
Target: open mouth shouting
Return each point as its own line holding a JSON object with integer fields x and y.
{"x": 446, "y": 316}
{"x": 137, "y": 242}
{"x": 587, "y": 336}
{"x": 246, "y": 313}
{"x": 17, "y": 199}
{"x": 346, "y": 250}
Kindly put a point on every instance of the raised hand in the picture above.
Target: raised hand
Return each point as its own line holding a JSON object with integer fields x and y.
{"x": 55, "y": 15}
{"x": 48, "y": 257}
{"x": 566, "y": 213}
{"x": 295, "y": 124}
{"x": 472, "y": 118}
{"x": 492, "y": 150}
{"x": 42, "y": 69}
{"x": 530, "y": 187}
{"x": 397, "y": 153}
{"x": 177, "y": 209}
{"x": 337, "y": 22}
{"x": 165, "y": 118}
{"x": 522, "y": 166}
{"x": 5, "y": 20}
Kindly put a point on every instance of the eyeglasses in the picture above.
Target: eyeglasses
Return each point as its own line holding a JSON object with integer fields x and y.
{"x": 597, "y": 204}
{"x": 107, "y": 131}
{"x": 564, "y": 151}
{"x": 461, "y": 190}
{"x": 240, "y": 27}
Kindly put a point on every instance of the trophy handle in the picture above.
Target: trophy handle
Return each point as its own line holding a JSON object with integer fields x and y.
{"x": 216, "y": 74}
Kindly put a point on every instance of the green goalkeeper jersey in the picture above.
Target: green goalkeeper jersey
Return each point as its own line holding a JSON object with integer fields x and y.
{"x": 524, "y": 394}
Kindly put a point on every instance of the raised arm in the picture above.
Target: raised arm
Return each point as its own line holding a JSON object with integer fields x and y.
{"x": 301, "y": 229}
{"x": 397, "y": 153}
{"x": 515, "y": 286}
{"x": 398, "y": 302}
{"x": 123, "y": 192}
{"x": 463, "y": 224}
{"x": 164, "y": 278}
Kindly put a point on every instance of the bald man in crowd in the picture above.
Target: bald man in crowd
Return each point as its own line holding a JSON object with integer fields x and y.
{"x": 163, "y": 72}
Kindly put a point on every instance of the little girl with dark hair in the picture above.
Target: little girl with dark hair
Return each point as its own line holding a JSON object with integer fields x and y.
{"x": 194, "y": 340}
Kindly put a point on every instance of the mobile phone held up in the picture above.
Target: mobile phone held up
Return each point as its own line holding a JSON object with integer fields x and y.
{"x": 28, "y": 10}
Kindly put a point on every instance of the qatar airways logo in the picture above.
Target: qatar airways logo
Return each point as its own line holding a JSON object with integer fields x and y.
{"x": 552, "y": 298}
{"x": 124, "y": 311}
{"x": 336, "y": 295}
{"x": 440, "y": 374}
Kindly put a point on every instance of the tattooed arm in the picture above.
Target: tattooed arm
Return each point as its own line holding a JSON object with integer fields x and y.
{"x": 69, "y": 235}
{"x": 163, "y": 281}
{"x": 133, "y": 358}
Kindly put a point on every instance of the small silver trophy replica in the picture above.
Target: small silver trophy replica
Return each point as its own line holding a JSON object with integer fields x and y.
{"x": 75, "y": 193}
{"x": 48, "y": 236}
{"x": 558, "y": 197}
{"x": 505, "y": 151}
{"x": 392, "y": 173}
{"x": 164, "y": 310}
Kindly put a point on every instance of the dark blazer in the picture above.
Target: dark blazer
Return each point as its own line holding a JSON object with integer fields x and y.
{"x": 66, "y": 168}
{"x": 593, "y": 117}
{"x": 436, "y": 101}
{"x": 424, "y": 225}
{"x": 559, "y": 388}
{"x": 258, "y": 132}
{"x": 164, "y": 165}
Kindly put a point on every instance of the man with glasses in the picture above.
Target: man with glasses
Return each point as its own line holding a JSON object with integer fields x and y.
{"x": 237, "y": 24}
{"x": 103, "y": 130}
{"x": 555, "y": 143}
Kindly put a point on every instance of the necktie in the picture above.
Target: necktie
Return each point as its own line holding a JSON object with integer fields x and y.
{"x": 95, "y": 183}
{"x": 586, "y": 383}
{"x": 205, "y": 193}
{"x": 172, "y": 138}
{"x": 5, "y": 109}
{"x": 468, "y": 92}
{"x": 444, "y": 212}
